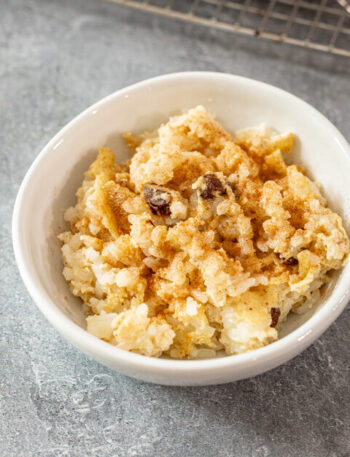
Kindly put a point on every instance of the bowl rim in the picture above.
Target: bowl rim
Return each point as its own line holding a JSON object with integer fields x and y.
{"x": 291, "y": 344}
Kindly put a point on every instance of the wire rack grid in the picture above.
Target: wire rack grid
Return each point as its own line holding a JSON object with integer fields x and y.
{"x": 317, "y": 24}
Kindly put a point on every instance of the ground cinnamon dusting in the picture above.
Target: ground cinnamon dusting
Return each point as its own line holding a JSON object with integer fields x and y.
{"x": 202, "y": 243}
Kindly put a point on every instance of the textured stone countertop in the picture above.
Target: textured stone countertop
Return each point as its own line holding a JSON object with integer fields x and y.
{"x": 56, "y": 58}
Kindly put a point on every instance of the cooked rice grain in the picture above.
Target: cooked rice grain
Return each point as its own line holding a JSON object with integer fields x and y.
{"x": 200, "y": 243}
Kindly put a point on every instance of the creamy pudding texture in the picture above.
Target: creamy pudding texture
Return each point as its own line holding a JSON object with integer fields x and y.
{"x": 201, "y": 243}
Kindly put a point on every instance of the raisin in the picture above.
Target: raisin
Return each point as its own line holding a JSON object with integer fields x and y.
{"x": 158, "y": 199}
{"x": 233, "y": 186}
{"x": 275, "y": 314}
{"x": 211, "y": 186}
{"x": 291, "y": 261}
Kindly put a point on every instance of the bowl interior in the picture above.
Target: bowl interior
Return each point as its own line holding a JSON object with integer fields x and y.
{"x": 236, "y": 102}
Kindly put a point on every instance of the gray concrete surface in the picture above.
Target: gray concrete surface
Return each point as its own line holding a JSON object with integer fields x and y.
{"x": 56, "y": 58}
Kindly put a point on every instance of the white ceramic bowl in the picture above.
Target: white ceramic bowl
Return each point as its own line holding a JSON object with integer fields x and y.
{"x": 50, "y": 184}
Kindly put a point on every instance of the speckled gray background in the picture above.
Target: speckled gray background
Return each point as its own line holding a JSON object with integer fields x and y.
{"x": 56, "y": 58}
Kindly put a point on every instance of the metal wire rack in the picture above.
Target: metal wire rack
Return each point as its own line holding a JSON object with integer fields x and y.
{"x": 317, "y": 24}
